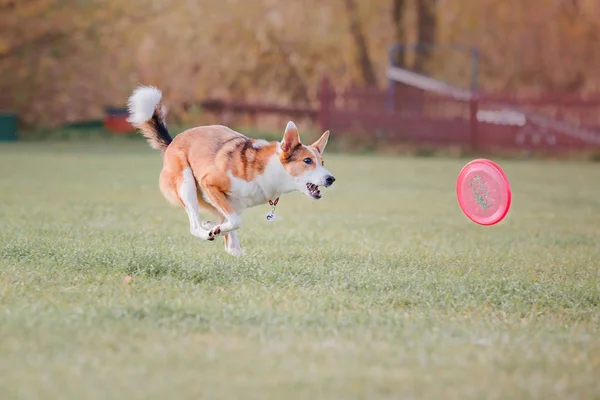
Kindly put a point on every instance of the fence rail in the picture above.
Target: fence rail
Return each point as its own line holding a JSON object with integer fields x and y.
{"x": 549, "y": 122}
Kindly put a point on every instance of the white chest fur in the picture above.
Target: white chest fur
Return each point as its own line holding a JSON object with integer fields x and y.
{"x": 273, "y": 182}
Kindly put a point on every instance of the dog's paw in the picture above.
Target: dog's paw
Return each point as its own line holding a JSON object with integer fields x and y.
{"x": 236, "y": 251}
{"x": 200, "y": 233}
{"x": 214, "y": 232}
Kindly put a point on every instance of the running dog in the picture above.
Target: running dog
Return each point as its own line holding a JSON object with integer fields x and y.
{"x": 219, "y": 170}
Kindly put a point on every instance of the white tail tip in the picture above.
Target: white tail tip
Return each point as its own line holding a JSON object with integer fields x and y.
{"x": 142, "y": 104}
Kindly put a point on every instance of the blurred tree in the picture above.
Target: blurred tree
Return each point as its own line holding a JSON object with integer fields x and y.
{"x": 17, "y": 38}
{"x": 398, "y": 12}
{"x": 426, "y": 32}
{"x": 362, "y": 52}
{"x": 526, "y": 46}
{"x": 63, "y": 60}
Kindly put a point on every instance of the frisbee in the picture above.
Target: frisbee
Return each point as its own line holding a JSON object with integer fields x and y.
{"x": 483, "y": 192}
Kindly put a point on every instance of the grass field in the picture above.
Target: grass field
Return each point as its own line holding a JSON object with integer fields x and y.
{"x": 383, "y": 289}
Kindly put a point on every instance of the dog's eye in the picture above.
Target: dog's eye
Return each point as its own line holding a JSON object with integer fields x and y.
{"x": 308, "y": 160}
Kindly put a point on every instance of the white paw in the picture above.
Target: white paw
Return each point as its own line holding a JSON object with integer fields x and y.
{"x": 214, "y": 232}
{"x": 235, "y": 251}
{"x": 202, "y": 234}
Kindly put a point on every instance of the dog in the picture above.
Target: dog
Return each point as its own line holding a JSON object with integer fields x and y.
{"x": 224, "y": 172}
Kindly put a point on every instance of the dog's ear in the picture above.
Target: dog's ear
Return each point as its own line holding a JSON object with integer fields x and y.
{"x": 320, "y": 144}
{"x": 291, "y": 138}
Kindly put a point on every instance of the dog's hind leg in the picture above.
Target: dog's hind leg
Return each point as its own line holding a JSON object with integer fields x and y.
{"x": 215, "y": 197}
{"x": 188, "y": 193}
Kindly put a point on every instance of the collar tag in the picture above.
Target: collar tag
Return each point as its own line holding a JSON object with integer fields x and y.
{"x": 271, "y": 215}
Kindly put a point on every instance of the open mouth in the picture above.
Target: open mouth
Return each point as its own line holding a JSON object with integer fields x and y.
{"x": 313, "y": 191}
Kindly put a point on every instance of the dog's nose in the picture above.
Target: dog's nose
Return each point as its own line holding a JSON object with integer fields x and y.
{"x": 329, "y": 180}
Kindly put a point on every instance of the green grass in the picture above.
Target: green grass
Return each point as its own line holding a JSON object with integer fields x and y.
{"x": 383, "y": 289}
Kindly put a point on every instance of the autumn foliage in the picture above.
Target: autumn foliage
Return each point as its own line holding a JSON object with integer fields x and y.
{"x": 64, "y": 60}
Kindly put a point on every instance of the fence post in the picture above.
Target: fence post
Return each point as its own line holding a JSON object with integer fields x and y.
{"x": 474, "y": 124}
{"x": 324, "y": 103}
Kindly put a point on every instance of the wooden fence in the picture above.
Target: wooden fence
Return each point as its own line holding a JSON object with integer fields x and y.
{"x": 557, "y": 122}
{"x": 549, "y": 122}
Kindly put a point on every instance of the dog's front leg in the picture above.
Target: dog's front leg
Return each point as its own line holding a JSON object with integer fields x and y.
{"x": 232, "y": 245}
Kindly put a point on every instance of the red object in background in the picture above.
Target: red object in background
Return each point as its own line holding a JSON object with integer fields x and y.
{"x": 115, "y": 120}
{"x": 483, "y": 192}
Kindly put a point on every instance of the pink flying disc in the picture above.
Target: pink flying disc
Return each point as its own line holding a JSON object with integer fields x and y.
{"x": 483, "y": 192}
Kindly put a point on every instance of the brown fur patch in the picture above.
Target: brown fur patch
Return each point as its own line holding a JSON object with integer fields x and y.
{"x": 294, "y": 163}
{"x": 243, "y": 159}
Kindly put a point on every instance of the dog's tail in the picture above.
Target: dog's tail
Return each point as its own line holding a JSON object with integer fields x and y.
{"x": 146, "y": 113}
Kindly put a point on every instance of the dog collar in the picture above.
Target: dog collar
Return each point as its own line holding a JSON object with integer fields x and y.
{"x": 271, "y": 215}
